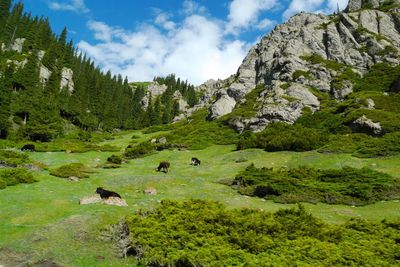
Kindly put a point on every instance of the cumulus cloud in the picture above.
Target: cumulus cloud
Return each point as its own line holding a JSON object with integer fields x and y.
{"x": 195, "y": 49}
{"x": 333, "y": 4}
{"x": 297, "y": 6}
{"x": 243, "y": 14}
{"x": 316, "y": 6}
{"x": 77, "y": 6}
{"x": 190, "y": 7}
{"x": 163, "y": 20}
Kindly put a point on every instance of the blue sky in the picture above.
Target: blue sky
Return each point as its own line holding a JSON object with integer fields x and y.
{"x": 195, "y": 39}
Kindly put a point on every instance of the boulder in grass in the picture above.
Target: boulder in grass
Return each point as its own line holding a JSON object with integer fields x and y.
{"x": 114, "y": 201}
{"x": 90, "y": 200}
{"x": 73, "y": 179}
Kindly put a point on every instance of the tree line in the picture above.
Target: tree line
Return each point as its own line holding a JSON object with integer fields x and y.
{"x": 41, "y": 110}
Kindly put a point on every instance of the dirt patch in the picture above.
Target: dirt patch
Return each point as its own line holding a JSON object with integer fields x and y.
{"x": 119, "y": 234}
{"x": 46, "y": 263}
{"x": 11, "y": 258}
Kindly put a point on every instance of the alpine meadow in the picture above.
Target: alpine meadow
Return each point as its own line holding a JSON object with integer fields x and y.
{"x": 293, "y": 160}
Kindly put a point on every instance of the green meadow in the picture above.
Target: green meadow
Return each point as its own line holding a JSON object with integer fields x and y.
{"x": 44, "y": 221}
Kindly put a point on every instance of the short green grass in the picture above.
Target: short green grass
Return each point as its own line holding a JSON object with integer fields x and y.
{"x": 44, "y": 220}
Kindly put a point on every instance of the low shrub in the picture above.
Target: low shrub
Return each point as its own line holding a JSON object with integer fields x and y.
{"x": 140, "y": 150}
{"x": 114, "y": 159}
{"x": 198, "y": 133}
{"x": 10, "y": 177}
{"x": 10, "y": 157}
{"x": 74, "y": 146}
{"x": 348, "y": 185}
{"x": 283, "y": 137}
{"x": 378, "y": 78}
{"x": 74, "y": 169}
{"x": 205, "y": 233}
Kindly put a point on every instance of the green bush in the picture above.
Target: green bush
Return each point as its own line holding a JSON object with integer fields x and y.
{"x": 204, "y": 233}
{"x": 13, "y": 157}
{"x": 74, "y": 146}
{"x": 249, "y": 108}
{"x": 348, "y": 185}
{"x": 378, "y": 78}
{"x": 283, "y": 137}
{"x": 10, "y": 177}
{"x": 140, "y": 150}
{"x": 198, "y": 133}
{"x": 115, "y": 159}
{"x": 317, "y": 59}
{"x": 324, "y": 121}
{"x": 74, "y": 169}
{"x": 298, "y": 73}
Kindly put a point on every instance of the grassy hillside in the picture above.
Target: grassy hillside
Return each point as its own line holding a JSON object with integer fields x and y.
{"x": 43, "y": 220}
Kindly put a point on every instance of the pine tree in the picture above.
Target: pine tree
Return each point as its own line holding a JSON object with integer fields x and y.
{"x": 156, "y": 114}
{"x": 5, "y": 98}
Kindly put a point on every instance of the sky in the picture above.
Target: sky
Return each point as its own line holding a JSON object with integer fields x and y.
{"x": 195, "y": 39}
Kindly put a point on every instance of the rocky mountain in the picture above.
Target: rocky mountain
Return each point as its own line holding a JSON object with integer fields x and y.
{"x": 309, "y": 53}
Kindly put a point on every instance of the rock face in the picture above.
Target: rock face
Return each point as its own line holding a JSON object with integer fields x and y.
{"x": 66, "y": 79}
{"x": 308, "y": 51}
{"x": 44, "y": 74}
{"x": 157, "y": 89}
{"x": 17, "y": 45}
{"x": 367, "y": 126}
{"x": 222, "y": 106}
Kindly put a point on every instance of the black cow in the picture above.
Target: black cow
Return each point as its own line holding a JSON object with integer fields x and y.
{"x": 28, "y": 147}
{"x": 163, "y": 166}
{"x": 106, "y": 194}
{"x": 195, "y": 161}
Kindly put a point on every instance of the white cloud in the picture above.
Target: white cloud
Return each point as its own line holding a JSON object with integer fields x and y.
{"x": 77, "y": 6}
{"x": 297, "y": 6}
{"x": 190, "y": 7}
{"x": 315, "y": 6}
{"x": 333, "y": 4}
{"x": 243, "y": 14}
{"x": 265, "y": 24}
{"x": 196, "y": 49}
{"x": 163, "y": 20}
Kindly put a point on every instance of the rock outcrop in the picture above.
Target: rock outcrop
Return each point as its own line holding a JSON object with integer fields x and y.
{"x": 308, "y": 51}
{"x": 367, "y": 126}
{"x": 114, "y": 201}
{"x": 66, "y": 79}
{"x": 157, "y": 89}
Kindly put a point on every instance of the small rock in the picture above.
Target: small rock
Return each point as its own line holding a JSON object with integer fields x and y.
{"x": 90, "y": 200}
{"x": 115, "y": 201}
{"x": 370, "y": 103}
{"x": 150, "y": 191}
{"x": 162, "y": 140}
{"x": 153, "y": 141}
{"x": 73, "y": 179}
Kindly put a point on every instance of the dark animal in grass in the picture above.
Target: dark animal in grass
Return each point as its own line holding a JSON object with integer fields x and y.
{"x": 163, "y": 166}
{"x": 106, "y": 193}
{"x": 28, "y": 147}
{"x": 195, "y": 161}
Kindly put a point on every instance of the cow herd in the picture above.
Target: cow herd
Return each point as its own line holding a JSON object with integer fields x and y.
{"x": 162, "y": 167}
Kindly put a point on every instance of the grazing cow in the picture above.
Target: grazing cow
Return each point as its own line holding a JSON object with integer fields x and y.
{"x": 163, "y": 166}
{"x": 28, "y": 147}
{"x": 195, "y": 161}
{"x": 106, "y": 194}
